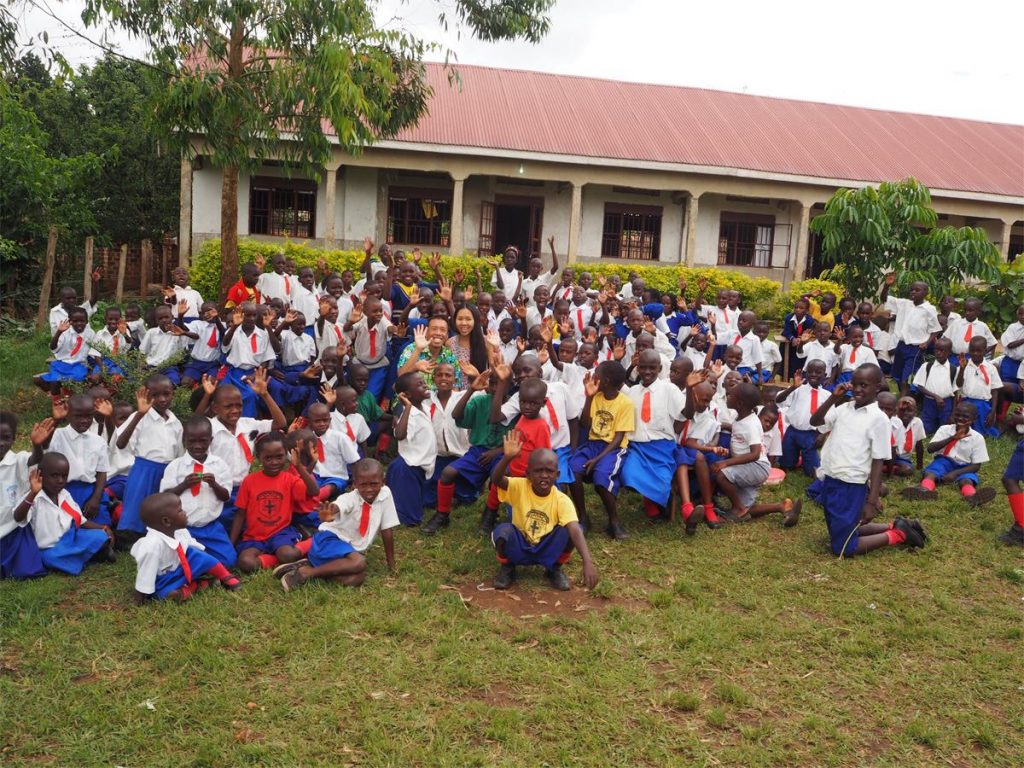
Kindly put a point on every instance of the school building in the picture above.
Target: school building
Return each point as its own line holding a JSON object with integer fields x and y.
{"x": 620, "y": 172}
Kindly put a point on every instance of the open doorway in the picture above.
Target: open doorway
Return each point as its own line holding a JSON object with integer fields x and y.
{"x": 514, "y": 221}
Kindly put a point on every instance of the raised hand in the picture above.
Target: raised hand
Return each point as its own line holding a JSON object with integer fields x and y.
{"x": 512, "y": 445}
{"x": 64, "y": 325}
{"x": 342, "y": 346}
{"x": 289, "y": 317}
{"x": 798, "y": 378}
{"x": 425, "y": 366}
{"x": 321, "y": 265}
{"x": 480, "y": 383}
{"x": 649, "y": 325}
{"x": 444, "y": 290}
{"x": 503, "y": 371}
{"x": 122, "y": 327}
{"x": 841, "y": 390}
{"x": 328, "y": 394}
{"x": 356, "y": 314}
{"x": 419, "y": 338}
{"x": 104, "y": 407}
{"x": 551, "y": 242}
{"x": 182, "y": 307}
{"x": 143, "y": 402}
{"x": 176, "y": 331}
{"x": 35, "y": 481}
{"x": 619, "y": 349}
{"x": 717, "y": 367}
{"x": 697, "y": 377}
{"x": 962, "y": 359}
{"x": 328, "y": 511}
{"x": 493, "y": 339}
{"x": 168, "y": 292}
{"x": 42, "y": 431}
{"x": 403, "y": 398}
{"x": 209, "y": 385}
{"x": 258, "y": 383}
{"x": 468, "y": 294}
{"x": 590, "y": 384}
{"x": 399, "y": 330}
{"x": 468, "y": 369}
{"x": 890, "y": 279}
{"x": 681, "y": 305}
{"x": 237, "y": 316}
{"x": 545, "y": 331}
{"x": 543, "y": 355}
{"x": 702, "y": 283}
{"x": 59, "y": 409}
{"x": 520, "y": 344}
{"x": 434, "y": 261}
{"x": 368, "y": 244}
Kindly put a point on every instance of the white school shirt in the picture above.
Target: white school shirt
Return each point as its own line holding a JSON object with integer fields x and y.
{"x": 120, "y": 460}
{"x": 338, "y": 453}
{"x": 383, "y": 516}
{"x": 419, "y": 449}
{"x": 956, "y": 332}
{"x": 884, "y": 344}
{"x": 696, "y": 356}
{"x": 746, "y": 433}
{"x": 306, "y": 302}
{"x": 572, "y": 376}
{"x": 727, "y": 321}
{"x": 666, "y": 407}
{"x": 14, "y": 485}
{"x": 331, "y": 335}
{"x": 360, "y": 335}
{"x": 797, "y": 406}
{"x": 509, "y": 279}
{"x": 157, "y": 439}
{"x": 559, "y": 408}
{"x": 580, "y": 315}
{"x": 249, "y": 351}
{"x": 772, "y": 445}
{"x": 530, "y": 285}
{"x": 451, "y": 439}
{"x": 104, "y": 342}
{"x": 871, "y": 336}
{"x": 980, "y": 380}
{"x": 813, "y": 350}
{"x": 297, "y": 349}
{"x": 86, "y": 453}
{"x": 939, "y": 380}
{"x": 137, "y": 328}
{"x": 534, "y": 317}
{"x": 228, "y": 445}
{"x": 202, "y": 508}
{"x": 158, "y": 346}
{"x": 509, "y": 351}
{"x": 156, "y": 554}
{"x": 703, "y": 427}
{"x": 915, "y": 323}
{"x": 58, "y": 314}
{"x": 969, "y": 450}
{"x": 907, "y": 436}
{"x": 851, "y": 362}
{"x": 73, "y": 347}
{"x": 751, "y": 346}
{"x": 189, "y": 295}
{"x": 662, "y": 346}
{"x": 858, "y": 437}
{"x": 770, "y": 354}
{"x": 353, "y": 425}
{"x": 49, "y": 520}
{"x": 206, "y": 348}
{"x": 274, "y": 286}
{"x": 1014, "y": 332}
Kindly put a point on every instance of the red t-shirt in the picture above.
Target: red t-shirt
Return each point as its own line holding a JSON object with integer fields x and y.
{"x": 268, "y": 503}
{"x": 304, "y": 505}
{"x": 240, "y": 292}
{"x": 534, "y": 434}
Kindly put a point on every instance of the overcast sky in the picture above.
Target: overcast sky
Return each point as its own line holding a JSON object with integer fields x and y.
{"x": 939, "y": 57}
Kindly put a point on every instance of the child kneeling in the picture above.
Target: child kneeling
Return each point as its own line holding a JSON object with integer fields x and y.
{"x": 348, "y": 527}
{"x": 544, "y": 528}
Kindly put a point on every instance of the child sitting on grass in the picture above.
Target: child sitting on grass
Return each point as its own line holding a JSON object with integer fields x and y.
{"x": 348, "y": 527}
{"x": 544, "y": 528}
{"x": 71, "y": 349}
{"x": 169, "y": 560}
{"x": 19, "y": 554}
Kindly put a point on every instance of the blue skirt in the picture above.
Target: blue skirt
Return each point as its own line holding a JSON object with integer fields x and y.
{"x": 199, "y": 563}
{"x": 327, "y": 547}
{"x": 196, "y": 369}
{"x": 143, "y": 480}
{"x": 215, "y": 539}
{"x": 234, "y": 376}
{"x": 74, "y": 549}
{"x": 1008, "y": 368}
{"x": 108, "y": 366}
{"x": 115, "y": 488}
{"x": 565, "y": 475}
{"x": 81, "y": 492}
{"x": 649, "y": 468}
{"x": 62, "y": 371}
{"x": 406, "y": 484}
{"x": 19, "y": 555}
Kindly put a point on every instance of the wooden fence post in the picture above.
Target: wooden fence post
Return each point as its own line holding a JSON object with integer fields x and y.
{"x": 119, "y": 295}
{"x": 145, "y": 265}
{"x": 87, "y": 288}
{"x": 44, "y": 293}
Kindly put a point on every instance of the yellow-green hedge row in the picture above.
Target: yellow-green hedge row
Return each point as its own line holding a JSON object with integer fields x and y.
{"x": 763, "y": 296}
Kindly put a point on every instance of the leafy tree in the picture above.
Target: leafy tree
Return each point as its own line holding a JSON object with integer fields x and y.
{"x": 870, "y": 231}
{"x": 246, "y": 74}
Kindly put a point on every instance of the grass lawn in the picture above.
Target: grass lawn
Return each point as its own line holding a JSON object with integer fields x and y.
{"x": 747, "y": 646}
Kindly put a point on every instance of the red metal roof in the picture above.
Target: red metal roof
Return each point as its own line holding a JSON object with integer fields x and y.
{"x": 567, "y": 115}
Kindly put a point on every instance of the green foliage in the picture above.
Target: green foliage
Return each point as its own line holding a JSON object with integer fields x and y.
{"x": 871, "y": 231}
{"x": 1001, "y": 296}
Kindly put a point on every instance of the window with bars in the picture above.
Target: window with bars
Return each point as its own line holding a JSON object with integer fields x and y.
{"x": 419, "y": 216}
{"x": 282, "y": 207}
{"x": 746, "y": 240}
{"x": 631, "y": 232}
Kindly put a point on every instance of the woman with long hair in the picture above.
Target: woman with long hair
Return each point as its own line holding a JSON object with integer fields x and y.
{"x": 468, "y": 343}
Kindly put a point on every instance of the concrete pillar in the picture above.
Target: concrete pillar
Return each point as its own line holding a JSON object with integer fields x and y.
{"x": 802, "y": 240}
{"x": 185, "y": 213}
{"x": 330, "y": 203}
{"x": 455, "y": 244}
{"x": 692, "y": 212}
{"x": 575, "y": 221}
{"x": 1004, "y": 245}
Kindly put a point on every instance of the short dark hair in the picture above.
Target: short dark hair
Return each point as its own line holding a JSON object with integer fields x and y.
{"x": 403, "y": 382}
{"x": 612, "y": 372}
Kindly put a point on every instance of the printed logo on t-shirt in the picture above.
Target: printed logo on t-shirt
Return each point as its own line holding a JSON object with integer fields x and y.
{"x": 536, "y": 521}
{"x": 11, "y": 494}
{"x": 603, "y": 421}
{"x": 268, "y": 504}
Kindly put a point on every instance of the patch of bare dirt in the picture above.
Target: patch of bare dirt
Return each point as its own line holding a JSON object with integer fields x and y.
{"x": 534, "y": 602}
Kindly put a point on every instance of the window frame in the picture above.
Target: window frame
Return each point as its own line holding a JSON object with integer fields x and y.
{"x": 419, "y": 194}
{"x": 613, "y": 245}
{"x": 728, "y": 250}
{"x": 273, "y": 185}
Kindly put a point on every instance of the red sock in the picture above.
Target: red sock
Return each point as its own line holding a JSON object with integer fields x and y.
{"x": 383, "y": 443}
{"x": 445, "y": 494}
{"x": 219, "y": 572}
{"x": 687, "y": 510}
{"x": 895, "y": 537}
{"x": 115, "y": 515}
{"x": 967, "y": 490}
{"x": 1017, "y": 507}
{"x": 325, "y": 493}
{"x": 304, "y": 546}
{"x": 269, "y": 561}
{"x": 709, "y": 513}
{"x": 1004, "y": 407}
{"x": 492, "y": 497}
{"x": 652, "y": 509}
{"x": 186, "y": 591}
{"x": 928, "y": 484}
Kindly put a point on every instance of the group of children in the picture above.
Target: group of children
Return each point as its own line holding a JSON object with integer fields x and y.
{"x": 301, "y": 391}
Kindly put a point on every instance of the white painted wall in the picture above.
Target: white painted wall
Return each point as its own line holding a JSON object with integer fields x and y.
{"x": 594, "y": 199}
{"x": 357, "y": 206}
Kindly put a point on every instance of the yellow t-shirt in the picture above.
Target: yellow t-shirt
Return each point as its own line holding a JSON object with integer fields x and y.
{"x": 815, "y": 312}
{"x": 536, "y": 516}
{"x": 610, "y": 416}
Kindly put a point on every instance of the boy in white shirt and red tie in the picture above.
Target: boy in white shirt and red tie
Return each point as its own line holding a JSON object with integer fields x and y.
{"x": 277, "y": 284}
{"x": 935, "y": 381}
{"x": 979, "y": 384}
{"x": 799, "y": 403}
{"x": 962, "y": 331}
{"x": 248, "y": 346}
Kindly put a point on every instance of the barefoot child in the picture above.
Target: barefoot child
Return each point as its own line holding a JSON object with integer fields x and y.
{"x": 544, "y": 529}
{"x": 348, "y": 528}
{"x": 169, "y": 560}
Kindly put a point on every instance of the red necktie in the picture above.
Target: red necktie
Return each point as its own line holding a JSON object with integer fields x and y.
{"x": 908, "y": 443}
{"x": 949, "y": 446}
{"x": 892, "y": 439}
{"x": 287, "y": 285}
{"x": 320, "y": 450}
{"x": 682, "y": 435}
{"x": 246, "y": 450}
{"x": 871, "y": 343}
{"x": 198, "y": 469}
{"x": 737, "y": 339}
{"x": 725, "y": 312}
{"x": 853, "y": 355}
{"x": 969, "y": 333}
{"x": 373, "y": 342}
{"x": 185, "y": 568}
{"x": 782, "y": 429}
{"x": 352, "y": 435}
{"x": 433, "y": 410}
{"x": 252, "y": 342}
{"x": 579, "y": 318}
{"x": 364, "y": 519}
{"x": 117, "y": 343}
{"x": 814, "y": 400}
{"x": 337, "y": 332}
{"x": 75, "y": 514}
{"x": 552, "y": 415}
{"x": 645, "y": 408}
{"x": 212, "y": 341}
{"x": 983, "y": 372}
{"x": 77, "y": 347}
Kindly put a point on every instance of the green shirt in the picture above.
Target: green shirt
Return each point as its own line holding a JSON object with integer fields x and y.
{"x": 367, "y": 407}
{"x": 477, "y": 419}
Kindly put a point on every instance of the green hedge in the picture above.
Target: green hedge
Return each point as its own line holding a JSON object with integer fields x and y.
{"x": 763, "y": 296}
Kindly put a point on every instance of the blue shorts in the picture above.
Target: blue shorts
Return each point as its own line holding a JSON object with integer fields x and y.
{"x": 984, "y": 409}
{"x": 199, "y": 563}
{"x": 687, "y": 457}
{"x": 933, "y": 416}
{"x": 903, "y": 461}
{"x": 552, "y": 550}
{"x": 943, "y": 465}
{"x": 800, "y": 444}
{"x": 906, "y": 360}
{"x": 327, "y": 547}
{"x": 565, "y": 475}
{"x": 1008, "y": 368}
{"x": 339, "y": 483}
{"x": 606, "y": 472}
{"x": 286, "y": 537}
{"x": 469, "y": 469}
{"x": 196, "y": 369}
{"x": 843, "y": 504}
{"x": 1015, "y": 469}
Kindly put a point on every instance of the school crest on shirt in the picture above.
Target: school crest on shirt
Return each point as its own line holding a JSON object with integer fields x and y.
{"x": 268, "y": 504}
{"x": 536, "y": 521}
{"x": 603, "y": 421}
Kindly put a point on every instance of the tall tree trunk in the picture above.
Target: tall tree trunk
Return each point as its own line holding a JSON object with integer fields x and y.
{"x": 228, "y": 229}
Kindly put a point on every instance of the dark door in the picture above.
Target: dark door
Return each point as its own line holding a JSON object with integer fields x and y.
{"x": 519, "y": 221}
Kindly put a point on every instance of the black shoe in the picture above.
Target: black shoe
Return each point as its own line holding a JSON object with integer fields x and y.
{"x": 616, "y": 531}
{"x": 695, "y": 519}
{"x": 506, "y": 575}
{"x": 436, "y": 523}
{"x": 558, "y": 579}
{"x": 662, "y": 517}
{"x": 123, "y": 540}
{"x": 916, "y": 525}
{"x": 1013, "y": 537}
{"x": 917, "y": 493}
{"x": 487, "y": 521}
{"x": 914, "y": 538}
{"x": 981, "y": 497}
